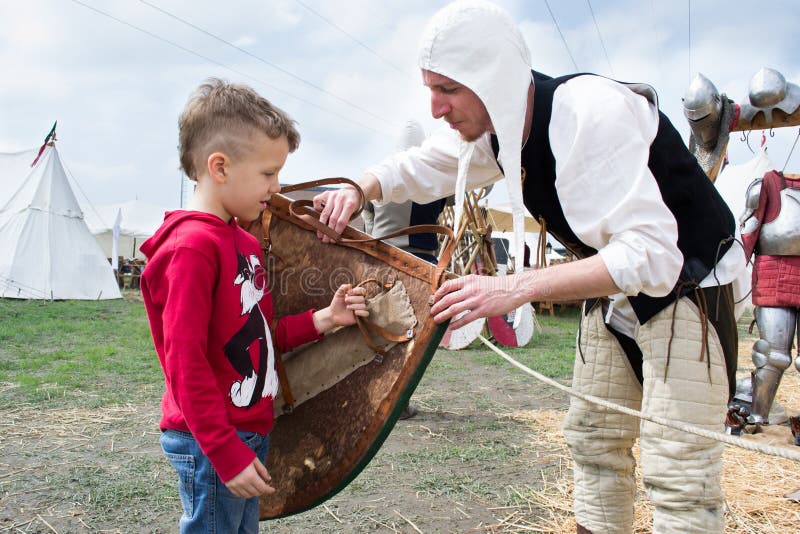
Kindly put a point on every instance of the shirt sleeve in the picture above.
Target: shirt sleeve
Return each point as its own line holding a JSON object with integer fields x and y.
{"x": 295, "y": 330}
{"x": 428, "y": 172}
{"x": 600, "y": 135}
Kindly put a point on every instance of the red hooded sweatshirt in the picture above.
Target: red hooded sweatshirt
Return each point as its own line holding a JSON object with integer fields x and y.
{"x": 209, "y": 308}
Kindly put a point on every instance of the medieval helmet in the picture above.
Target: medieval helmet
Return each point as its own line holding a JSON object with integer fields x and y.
{"x": 701, "y": 99}
{"x": 702, "y": 106}
{"x": 770, "y": 90}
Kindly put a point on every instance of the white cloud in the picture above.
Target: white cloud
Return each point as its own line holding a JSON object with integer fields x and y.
{"x": 117, "y": 92}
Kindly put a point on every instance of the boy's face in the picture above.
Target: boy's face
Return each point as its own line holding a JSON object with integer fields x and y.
{"x": 252, "y": 178}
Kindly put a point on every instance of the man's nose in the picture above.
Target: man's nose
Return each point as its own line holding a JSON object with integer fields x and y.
{"x": 439, "y": 106}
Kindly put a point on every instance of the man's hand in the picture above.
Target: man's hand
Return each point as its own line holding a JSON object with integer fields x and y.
{"x": 337, "y": 206}
{"x": 335, "y": 209}
{"x": 483, "y": 296}
{"x": 251, "y": 482}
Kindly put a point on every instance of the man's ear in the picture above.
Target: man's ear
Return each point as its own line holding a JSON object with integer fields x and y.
{"x": 218, "y": 167}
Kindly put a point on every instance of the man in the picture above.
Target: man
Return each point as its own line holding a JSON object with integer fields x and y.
{"x": 652, "y": 238}
{"x": 380, "y": 220}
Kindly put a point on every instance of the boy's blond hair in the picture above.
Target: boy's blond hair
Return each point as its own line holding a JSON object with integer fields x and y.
{"x": 222, "y": 116}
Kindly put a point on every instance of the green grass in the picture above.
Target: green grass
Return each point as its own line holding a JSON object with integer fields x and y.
{"x": 744, "y": 324}
{"x": 551, "y": 351}
{"x": 82, "y": 352}
{"x": 491, "y": 450}
{"x": 146, "y": 486}
{"x": 438, "y": 482}
{"x": 100, "y": 352}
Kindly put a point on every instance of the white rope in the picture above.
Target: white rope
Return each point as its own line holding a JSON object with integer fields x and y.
{"x": 781, "y": 452}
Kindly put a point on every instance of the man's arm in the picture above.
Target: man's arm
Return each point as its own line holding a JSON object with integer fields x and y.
{"x": 422, "y": 174}
{"x": 488, "y": 296}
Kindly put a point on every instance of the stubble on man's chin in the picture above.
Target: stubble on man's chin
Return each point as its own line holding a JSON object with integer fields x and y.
{"x": 469, "y": 138}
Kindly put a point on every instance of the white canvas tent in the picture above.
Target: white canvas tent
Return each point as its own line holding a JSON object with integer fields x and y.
{"x": 46, "y": 249}
{"x": 499, "y": 217}
{"x": 138, "y": 221}
{"x": 732, "y": 185}
{"x": 732, "y": 182}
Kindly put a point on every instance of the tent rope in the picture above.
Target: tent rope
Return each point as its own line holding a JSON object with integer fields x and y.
{"x": 781, "y": 452}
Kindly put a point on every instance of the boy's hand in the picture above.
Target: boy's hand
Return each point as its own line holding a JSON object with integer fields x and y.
{"x": 251, "y": 482}
{"x": 346, "y": 304}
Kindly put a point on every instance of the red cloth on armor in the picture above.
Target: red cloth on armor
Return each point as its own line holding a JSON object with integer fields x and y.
{"x": 776, "y": 279}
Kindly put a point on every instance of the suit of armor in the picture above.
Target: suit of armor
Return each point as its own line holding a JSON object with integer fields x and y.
{"x": 771, "y": 231}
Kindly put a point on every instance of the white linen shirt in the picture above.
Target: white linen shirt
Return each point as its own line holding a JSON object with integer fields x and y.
{"x": 600, "y": 135}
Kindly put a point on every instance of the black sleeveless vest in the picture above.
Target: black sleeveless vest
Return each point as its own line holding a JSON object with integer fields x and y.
{"x": 705, "y": 224}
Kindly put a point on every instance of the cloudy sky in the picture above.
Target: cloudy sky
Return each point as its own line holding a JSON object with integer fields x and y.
{"x": 116, "y": 73}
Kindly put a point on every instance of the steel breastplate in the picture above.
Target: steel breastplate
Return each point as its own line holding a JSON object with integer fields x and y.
{"x": 781, "y": 237}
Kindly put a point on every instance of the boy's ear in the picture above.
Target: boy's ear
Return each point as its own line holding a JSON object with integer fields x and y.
{"x": 217, "y": 167}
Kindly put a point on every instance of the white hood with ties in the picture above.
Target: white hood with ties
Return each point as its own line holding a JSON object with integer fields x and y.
{"x": 479, "y": 46}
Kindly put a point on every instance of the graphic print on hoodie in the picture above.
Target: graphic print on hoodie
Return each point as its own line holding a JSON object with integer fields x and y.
{"x": 252, "y": 339}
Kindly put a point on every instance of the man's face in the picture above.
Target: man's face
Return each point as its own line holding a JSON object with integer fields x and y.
{"x": 458, "y": 105}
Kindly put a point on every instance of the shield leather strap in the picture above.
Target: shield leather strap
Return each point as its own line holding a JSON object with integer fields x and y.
{"x": 325, "y": 442}
{"x": 366, "y": 326}
{"x": 300, "y": 208}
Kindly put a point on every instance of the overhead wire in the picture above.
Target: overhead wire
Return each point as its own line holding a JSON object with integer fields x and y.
{"x": 236, "y": 71}
{"x": 689, "y": 9}
{"x": 791, "y": 151}
{"x": 352, "y": 37}
{"x": 654, "y": 23}
{"x": 266, "y": 62}
{"x": 600, "y": 35}
{"x": 563, "y": 40}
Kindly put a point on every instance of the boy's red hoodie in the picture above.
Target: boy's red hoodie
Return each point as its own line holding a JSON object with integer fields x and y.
{"x": 209, "y": 308}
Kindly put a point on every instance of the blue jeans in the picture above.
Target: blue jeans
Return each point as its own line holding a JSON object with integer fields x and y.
{"x": 208, "y": 506}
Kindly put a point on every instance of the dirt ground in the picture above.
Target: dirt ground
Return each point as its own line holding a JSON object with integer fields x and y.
{"x": 465, "y": 452}
{"x": 484, "y": 454}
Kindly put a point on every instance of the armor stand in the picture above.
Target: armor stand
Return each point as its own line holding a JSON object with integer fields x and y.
{"x": 772, "y": 103}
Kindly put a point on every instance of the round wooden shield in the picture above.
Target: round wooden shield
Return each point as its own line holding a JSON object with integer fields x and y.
{"x": 460, "y": 338}
{"x": 325, "y": 442}
{"x": 503, "y": 331}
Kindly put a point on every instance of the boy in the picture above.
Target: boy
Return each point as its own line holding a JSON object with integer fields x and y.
{"x": 210, "y": 311}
